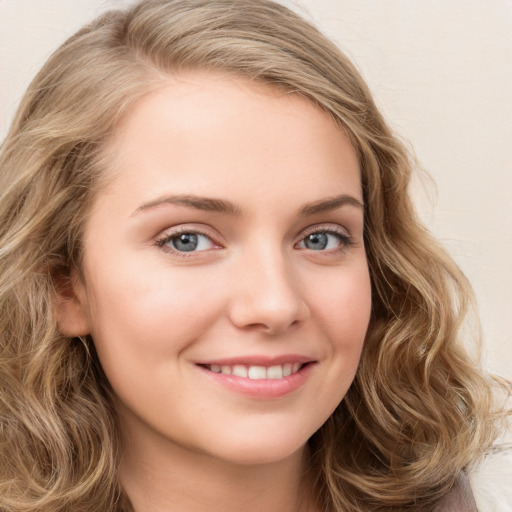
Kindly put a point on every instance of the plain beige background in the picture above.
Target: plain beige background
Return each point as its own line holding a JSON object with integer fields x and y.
{"x": 441, "y": 73}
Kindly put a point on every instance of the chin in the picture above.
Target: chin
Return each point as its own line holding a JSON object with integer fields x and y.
{"x": 260, "y": 449}
{"x": 257, "y": 455}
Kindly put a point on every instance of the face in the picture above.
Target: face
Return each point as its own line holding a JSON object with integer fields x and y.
{"x": 225, "y": 282}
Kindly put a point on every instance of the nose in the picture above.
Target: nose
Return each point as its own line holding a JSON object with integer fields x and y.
{"x": 267, "y": 295}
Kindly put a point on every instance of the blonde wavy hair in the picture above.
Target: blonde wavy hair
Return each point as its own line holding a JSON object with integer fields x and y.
{"x": 419, "y": 411}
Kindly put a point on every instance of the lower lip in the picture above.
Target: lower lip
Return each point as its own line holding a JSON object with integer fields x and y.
{"x": 265, "y": 389}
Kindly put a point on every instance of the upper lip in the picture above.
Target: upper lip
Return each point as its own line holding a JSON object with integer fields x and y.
{"x": 258, "y": 360}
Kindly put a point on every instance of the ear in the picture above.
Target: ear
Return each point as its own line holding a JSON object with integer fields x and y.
{"x": 71, "y": 306}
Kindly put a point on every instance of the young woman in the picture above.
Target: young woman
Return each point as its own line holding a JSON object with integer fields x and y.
{"x": 215, "y": 293}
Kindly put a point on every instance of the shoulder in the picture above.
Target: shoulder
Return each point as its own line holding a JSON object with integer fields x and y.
{"x": 486, "y": 488}
{"x": 460, "y": 498}
{"x": 491, "y": 482}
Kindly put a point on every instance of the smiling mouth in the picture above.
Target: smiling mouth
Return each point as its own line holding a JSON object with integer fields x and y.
{"x": 255, "y": 372}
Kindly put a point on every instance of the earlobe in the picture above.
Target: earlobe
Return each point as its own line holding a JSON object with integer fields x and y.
{"x": 71, "y": 306}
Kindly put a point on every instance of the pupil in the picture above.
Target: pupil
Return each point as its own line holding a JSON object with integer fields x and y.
{"x": 316, "y": 241}
{"x": 186, "y": 242}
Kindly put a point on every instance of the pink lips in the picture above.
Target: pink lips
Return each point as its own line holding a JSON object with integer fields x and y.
{"x": 259, "y": 377}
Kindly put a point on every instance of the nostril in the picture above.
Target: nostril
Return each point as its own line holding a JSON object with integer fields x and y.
{"x": 271, "y": 327}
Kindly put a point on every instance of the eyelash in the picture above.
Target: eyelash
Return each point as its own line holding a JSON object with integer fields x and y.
{"x": 166, "y": 238}
{"x": 346, "y": 241}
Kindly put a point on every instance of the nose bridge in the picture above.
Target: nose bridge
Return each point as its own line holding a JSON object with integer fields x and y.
{"x": 267, "y": 295}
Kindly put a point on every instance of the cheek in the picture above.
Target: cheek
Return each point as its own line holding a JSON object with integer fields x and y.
{"x": 344, "y": 305}
{"x": 342, "y": 308}
{"x": 147, "y": 315}
{"x": 343, "y": 311}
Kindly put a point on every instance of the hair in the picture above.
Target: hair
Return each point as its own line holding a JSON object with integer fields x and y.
{"x": 420, "y": 410}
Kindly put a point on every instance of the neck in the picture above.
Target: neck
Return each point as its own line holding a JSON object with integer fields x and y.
{"x": 159, "y": 476}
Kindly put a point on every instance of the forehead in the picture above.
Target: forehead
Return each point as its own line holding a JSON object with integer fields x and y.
{"x": 207, "y": 130}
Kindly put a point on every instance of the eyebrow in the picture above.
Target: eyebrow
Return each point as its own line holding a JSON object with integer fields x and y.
{"x": 329, "y": 204}
{"x": 191, "y": 201}
{"x": 222, "y": 206}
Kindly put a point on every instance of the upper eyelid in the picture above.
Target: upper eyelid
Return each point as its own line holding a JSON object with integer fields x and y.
{"x": 184, "y": 228}
{"x": 324, "y": 227}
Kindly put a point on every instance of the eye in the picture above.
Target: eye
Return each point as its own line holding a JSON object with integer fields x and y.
{"x": 325, "y": 240}
{"x": 188, "y": 241}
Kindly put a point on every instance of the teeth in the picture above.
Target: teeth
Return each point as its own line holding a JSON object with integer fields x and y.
{"x": 226, "y": 370}
{"x": 239, "y": 371}
{"x": 257, "y": 372}
{"x": 275, "y": 372}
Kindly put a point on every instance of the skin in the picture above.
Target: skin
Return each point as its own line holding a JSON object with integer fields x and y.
{"x": 253, "y": 287}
